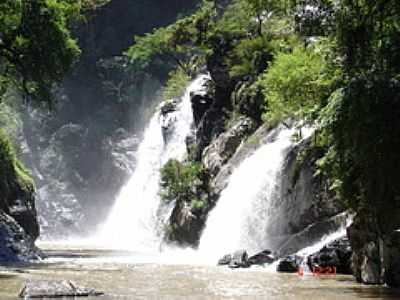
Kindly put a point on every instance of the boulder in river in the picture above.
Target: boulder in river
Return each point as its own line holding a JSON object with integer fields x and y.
{"x": 55, "y": 289}
{"x": 264, "y": 257}
{"x": 225, "y": 260}
{"x": 239, "y": 260}
{"x": 290, "y": 264}
{"x": 336, "y": 254}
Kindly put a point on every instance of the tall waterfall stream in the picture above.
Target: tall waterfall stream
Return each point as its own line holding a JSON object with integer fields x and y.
{"x": 135, "y": 213}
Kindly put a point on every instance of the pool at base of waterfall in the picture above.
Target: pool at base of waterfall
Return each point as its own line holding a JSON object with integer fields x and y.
{"x": 127, "y": 275}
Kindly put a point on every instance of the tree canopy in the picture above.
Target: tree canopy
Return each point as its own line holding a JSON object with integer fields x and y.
{"x": 36, "y": 45}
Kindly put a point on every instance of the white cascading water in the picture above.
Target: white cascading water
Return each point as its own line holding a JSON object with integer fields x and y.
{"x": 133, "y": 222}
{"x": 240, "y": 218}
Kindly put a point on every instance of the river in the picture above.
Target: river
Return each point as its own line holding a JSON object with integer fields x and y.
{"x": 127, "y": 275}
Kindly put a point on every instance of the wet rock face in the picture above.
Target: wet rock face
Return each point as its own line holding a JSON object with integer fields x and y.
{"x": 305, "y": 202}
{"x": 366, "y": 257}
{"x": 20, "y": 205}
{"x": 15, "y": 244}
{"x": 376, "y": 258}
{"x": 168, "y": 118}
{"x": 68, "y": 188}
{"x": 200, "y": 104}
{"x": 185, "y": 225}
{"x": 224, "y": 147}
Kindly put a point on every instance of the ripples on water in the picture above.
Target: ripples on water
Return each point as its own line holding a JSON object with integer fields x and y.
{"x": 124, "y": 275}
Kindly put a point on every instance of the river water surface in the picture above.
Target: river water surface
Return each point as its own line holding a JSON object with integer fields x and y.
{"x": 122, "y": 275}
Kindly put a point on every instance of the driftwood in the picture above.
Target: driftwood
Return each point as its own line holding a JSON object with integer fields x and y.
{"x": 55, "y": 289}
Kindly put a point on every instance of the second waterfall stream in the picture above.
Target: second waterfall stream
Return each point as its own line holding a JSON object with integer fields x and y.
{"x": 133, "y": 223}
{"x": 240, "y": 218}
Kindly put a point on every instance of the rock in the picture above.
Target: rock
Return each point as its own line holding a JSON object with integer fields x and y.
{"x": 225, "y": 260}
{"x": 168, "y": 106}
{"x": 336, "y": 254}
{"x": 239, "y": 260}
{"x": 371, "y": 264}
{"x": 15, "y": 244}
{"x": 210, "y": 127}
{"x": 376, "y": 257}
{"x": 305, "y": 202}
{"x": 184, "y": 226}
{"x": 366, "y": 258}
{"x": 62, "y": 216}
{"x": 289, "y": 264}
{"x": 168, "y": 118}
{"x": 225, "y": 146}
{"x": 200, "y": 104}
{"x": 311, "y": 234}
{"x": 56, "y": 289}
{"x": 392, "y": 261}
{"x": 264, "y": 257}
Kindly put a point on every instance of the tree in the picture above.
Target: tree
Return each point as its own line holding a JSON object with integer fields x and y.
{"x": 366, "y": 127}
{"x": 36, "y": 46}
{"x": 297, "y": 84}
{"x": 174, "y": 44}
{"x": 262, "y": 9}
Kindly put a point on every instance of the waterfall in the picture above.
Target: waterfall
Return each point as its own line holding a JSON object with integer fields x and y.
{"x": 240, "y": 218}
{"x": 134, "y": 223}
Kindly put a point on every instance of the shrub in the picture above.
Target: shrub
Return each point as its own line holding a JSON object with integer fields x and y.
{"x": 297, "y": 84}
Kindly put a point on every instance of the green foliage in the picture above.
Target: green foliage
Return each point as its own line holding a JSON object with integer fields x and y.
{"x": 36, "y": 47}
{"x": 176, "y": 84}
{"x": 250, "y": 57}
{"x": 235, "y": 20}
{"x": 179, "y": 181}
{"x": 11, "y": 167}
{"x": 172, "y": 44}
{"x": 10, "y": 121}
{"x": 361, "y": 122}
{"x": 297, "y": 84}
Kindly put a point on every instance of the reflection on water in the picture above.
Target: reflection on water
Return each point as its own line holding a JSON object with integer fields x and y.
{"x": 125, "y": 276}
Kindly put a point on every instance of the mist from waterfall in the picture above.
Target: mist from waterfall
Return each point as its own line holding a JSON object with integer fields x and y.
{"x": 240, "y": 218}
{"x": 134, "y": 222}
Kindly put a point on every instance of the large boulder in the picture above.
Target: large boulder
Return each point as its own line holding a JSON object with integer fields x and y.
{"x": 366, "y": 259}
{"x": 239, "y": 260}
{"x": 56, "y": 289}
{"x": 290, "y": 264}
{"x": 335, "y": 254}
{"x": 376, "y": 257}
{"x": 262, "y": 258}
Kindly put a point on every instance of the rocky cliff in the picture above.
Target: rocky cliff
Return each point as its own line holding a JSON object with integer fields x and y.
{"x": 18, "y": 221}
{"x": 81, "y": 153}
{"x": 228, "y": 129}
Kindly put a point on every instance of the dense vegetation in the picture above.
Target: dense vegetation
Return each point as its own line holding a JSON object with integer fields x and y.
{"x": 335, "y": 64}
{"x": 36, "y": 47}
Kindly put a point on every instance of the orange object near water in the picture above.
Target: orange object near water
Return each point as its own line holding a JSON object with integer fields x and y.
{"x": 300, "y": 271}
{"x": 317, "y": 270}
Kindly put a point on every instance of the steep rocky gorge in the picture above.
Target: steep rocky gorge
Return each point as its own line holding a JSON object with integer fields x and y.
{"x": 228, "y": 129}
{"x": 82, "y": 152}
